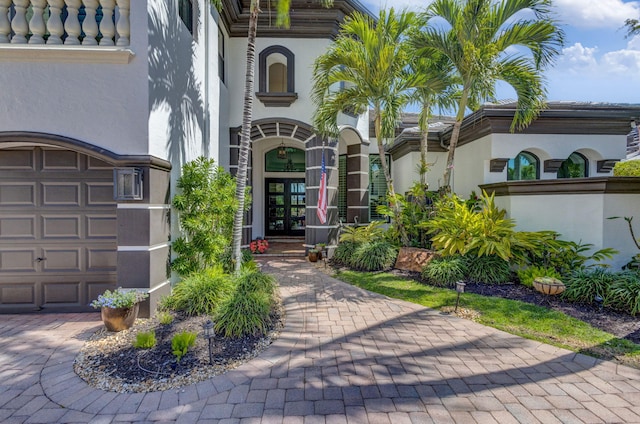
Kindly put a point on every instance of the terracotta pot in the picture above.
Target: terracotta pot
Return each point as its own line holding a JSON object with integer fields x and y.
{"x": 548, "y": 288}
{"x": 313, "y": 256}
{"x": 118, "y": 319}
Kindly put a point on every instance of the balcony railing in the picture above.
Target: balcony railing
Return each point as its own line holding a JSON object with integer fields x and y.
{"x": 65, "y": 22}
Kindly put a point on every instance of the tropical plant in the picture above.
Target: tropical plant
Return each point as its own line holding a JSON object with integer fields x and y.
{"x": 253, "y": 280}
{"x": 624, "y": 293}
{"x": 490, "y": 269}
{"x": 205, "y": 208}
{"x": 165, "y": 318}
{"x": 245, "y": 313}
{"x": 629, "y": 168}
{"x": 584, "y": 285}
{"x": 570, "y": 256}
{"x": 374, "y": 256}
{"x": 487, "y": 42}
{"x": 181, "y": 342}
{"x": 369, "y": 61}
{"x": 200, "y": 293}
{"x": 282, "y": 19}
{"x": 145, "y": 340}
{"x": 362, "y": 233}
{"x": 344, "y": 253}
{"x": 445, "y": 271}
{"x": 527, "y": 274}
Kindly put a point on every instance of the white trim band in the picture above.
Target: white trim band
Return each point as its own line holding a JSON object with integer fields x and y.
{"x": 143, "y": 248}
{"x": 145, "y": 206}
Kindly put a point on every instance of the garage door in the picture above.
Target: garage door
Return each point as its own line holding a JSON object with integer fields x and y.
{"x": 57, "y": 230}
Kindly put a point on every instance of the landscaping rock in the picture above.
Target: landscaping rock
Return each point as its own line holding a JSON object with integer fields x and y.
{"x": 413, "y": 258}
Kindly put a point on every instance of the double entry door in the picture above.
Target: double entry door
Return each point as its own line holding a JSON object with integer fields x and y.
{"x": 285, "y": 206}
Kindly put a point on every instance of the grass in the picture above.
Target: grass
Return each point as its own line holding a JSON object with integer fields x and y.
{"x": 515, "y": 317}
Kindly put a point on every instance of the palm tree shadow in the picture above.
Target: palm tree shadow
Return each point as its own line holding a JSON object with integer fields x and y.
{"x": 174, "y": 84}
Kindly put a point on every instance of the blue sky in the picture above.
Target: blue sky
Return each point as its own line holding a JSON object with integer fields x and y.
{"x": 598, "y": 63}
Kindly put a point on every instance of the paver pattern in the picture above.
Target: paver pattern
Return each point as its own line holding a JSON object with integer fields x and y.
{"x": 345, "y": 356}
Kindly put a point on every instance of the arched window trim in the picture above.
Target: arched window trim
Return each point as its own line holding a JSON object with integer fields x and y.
{"x": 263, "y": 94}
{"x": 533, "y": 156}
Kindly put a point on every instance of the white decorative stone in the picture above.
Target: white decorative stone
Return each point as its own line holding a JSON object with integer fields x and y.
{"x": 36, "y": 24}
{"x": 72, "y": 24}
{"x": 90, "y": 26}
{"x": 122, "y": 25}
{"x": 19, "y": 23}
{"x": 5, "y": 25}
{"x": 107, "y": 28}
{"x": 54, "y": 24}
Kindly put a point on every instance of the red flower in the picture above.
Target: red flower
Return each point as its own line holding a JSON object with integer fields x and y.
{"x": 258, "y": 246}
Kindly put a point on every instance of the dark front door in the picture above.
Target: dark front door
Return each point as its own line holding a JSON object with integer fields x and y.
{"x": 285, "y": 206}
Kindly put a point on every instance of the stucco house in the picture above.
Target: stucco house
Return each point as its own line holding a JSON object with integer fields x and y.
{"x": 104, "y": 101}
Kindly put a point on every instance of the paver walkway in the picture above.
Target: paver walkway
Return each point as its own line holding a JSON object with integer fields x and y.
{"x": 345, "y": 356}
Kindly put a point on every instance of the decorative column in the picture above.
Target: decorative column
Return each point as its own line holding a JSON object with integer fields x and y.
{"x": 72, "y": 24}
{"x": 90, "y": 26}
{"x": 54, "y": 24}
{"x": 19, "y": 23}
{"x": 107, "y": 28}
{"x": 36, "y": 24}
{"x": 357, "y": 183}
{"x": 5, "y": 25}
{"x": 123, "y": 23}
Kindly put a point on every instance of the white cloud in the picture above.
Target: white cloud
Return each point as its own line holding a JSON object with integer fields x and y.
{"x": 578, "y": 57}
{"x": 634, "y": 43}
{"x": 585, "y": 61}
{"x": 596, "y": 13}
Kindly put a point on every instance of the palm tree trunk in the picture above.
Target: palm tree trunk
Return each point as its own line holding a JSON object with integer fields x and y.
{"x": 245, "y": 136}
{"x": 424, "y": 139}
{"x": 453, "y": 143}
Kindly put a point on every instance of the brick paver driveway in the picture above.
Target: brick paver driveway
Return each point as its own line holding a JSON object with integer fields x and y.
{"x": 345, "y": 356}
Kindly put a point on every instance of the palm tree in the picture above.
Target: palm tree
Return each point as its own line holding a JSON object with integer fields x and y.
{"x": 369, "y": 60}
{"x": 633, "y": 27}
{"x": 436, "y": 87}
{"x": 486, "y": 42}
{"x": 282, "y": 7}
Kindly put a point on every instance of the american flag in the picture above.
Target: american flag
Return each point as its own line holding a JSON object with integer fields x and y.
{"x": 322, "y": 193}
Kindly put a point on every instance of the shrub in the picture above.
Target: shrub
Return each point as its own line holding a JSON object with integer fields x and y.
{"x": 584, "y": 285}
{"x": 445, "y": 271}
{"x": 180, "y": 344}
{"x": 244, "y": 313}
{"x": 362, "y": 234}
{"x": 205, "y": 206}
{"x": 165, "y": 318}
{"x": 624, "y": 292}
{"x": 227, "y": 262}
{"x": 572, "y": 256}
{"x": 344, "y": 253}
{"x": 629, "y": 168}
{"x": 528, "y": 274}
{"x": 488, "y": 269}
{"x": 254, "y": 281}
{"x": 200, "y": 293}
{"x": 374, "y": 256}
{"x": 145, "y": 340}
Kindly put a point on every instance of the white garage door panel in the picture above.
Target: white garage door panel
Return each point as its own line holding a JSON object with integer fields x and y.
{"x": 58, "y": 226}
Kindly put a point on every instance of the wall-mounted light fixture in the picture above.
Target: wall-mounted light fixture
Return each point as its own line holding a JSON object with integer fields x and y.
{"x": 127, "y": 184}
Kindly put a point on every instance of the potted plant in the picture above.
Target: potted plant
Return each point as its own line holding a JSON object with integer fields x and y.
{"x": 119, "y": 308}
{"x": 258, "y": 245}
{"x": 313, "y": 255}
{"x": 548, "y": 285}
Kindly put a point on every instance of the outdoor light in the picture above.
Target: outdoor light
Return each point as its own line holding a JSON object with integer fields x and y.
{"x": 209, "y": 334}
{"x": 282, "y": 151}
{"x": 460, "y": 289}
{"x": 127, "y": 184}
{"x": 599, "y": 301}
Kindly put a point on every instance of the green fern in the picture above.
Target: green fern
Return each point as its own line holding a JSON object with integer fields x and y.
{"x": 145, "y": 340}
{"x": 180, "y": 344}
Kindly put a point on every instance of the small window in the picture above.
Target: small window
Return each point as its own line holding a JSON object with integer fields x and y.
{"x": 576, "y": 166}
{"x": 285, "y": 159}
{"x": 221, "y": 54}
{"x": 377, "y": 187}
{"x": 525, "y": 166}
{"x": 277, "y": 78}
{"x": 185, "y": 10}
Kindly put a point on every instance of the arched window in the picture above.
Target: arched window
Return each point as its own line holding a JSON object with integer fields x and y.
{"x": 525, "y": 166}
{"x": 276, "y": 77}
{"x": 576, "y": 166}
{"x": 285, "y": 159}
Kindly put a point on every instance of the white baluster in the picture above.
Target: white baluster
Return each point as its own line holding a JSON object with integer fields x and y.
{"x": 72, "y": 24}
{"x": 122, "y": 25}
{"x": 54, "y": 23}
{"x": 107, "y": 29}
{"x": 90, "y": 26}
{"x": 36, "y": 24}
{"x": 5, "y": 25}
{"x": 19, "y": 23}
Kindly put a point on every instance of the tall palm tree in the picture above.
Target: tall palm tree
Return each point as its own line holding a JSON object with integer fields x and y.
{"x": 633, "y": 27}
{"x": 369, "y": 60}
{"x": 486, "y": 42}
{"x": 282, "y": 7}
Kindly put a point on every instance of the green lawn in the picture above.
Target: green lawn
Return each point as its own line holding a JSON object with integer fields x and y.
{"x": 515, "y": 317}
